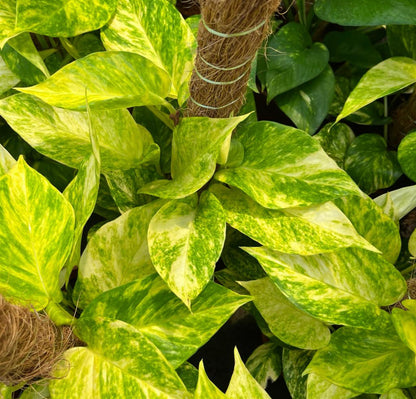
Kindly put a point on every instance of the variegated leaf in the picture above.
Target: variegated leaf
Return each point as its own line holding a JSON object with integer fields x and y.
{"x": 296, "y": 173}
{"x": 365, "y": 361}
{"x": 7, "y": 21}
{"x": 36, "y": 235}
{"x": 62, "y": 18}
{"x": 116, "y": 254}
{"x": 36, "y": 391}
{"x": 6, "y": 392}
{"x": 119, "y": 362}
{"x": 347, "y": 286}
{"x": 412, "y": 243}
{"x": 265, "y": 363}
{"x": 63, "y": 135}
{"x": 6, "y": 161}
{"x": 385, "y": 78}
{"x": 394, "y": 394}
{"x": 406, "y": 155}
{"x": 136, "y": 27}
{"x": 205, "y": 388}
{"x": 294, "y": 363}
{"x": 196, "y": 145}
{"x": 403, "y": 201}
{"x": 185, "y": 241}
{"x": 242, "y": 384}
{"x": 373, "y": 224}
{"x": 151, "y": 307}
{"x": 304, "y": 230}
{"x": 405, "y": 323}
{"x": 288, "y": 323}
{"x": 111, "y": 79}
{"x": 7, "y": 78}
{"x": 189, "y": 375}
{"x": 320, "y": 388}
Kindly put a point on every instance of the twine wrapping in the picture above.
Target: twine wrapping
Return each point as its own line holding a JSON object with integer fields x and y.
{"x": 229, "y": 35}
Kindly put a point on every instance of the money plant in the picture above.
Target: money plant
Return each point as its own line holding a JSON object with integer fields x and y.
{"x": 144, "y": 230}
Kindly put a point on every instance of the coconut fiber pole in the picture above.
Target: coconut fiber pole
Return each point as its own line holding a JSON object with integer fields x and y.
{"x": 229, "y": 35}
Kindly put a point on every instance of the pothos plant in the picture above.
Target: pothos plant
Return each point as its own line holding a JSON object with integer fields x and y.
{"x": 272, "y": 212}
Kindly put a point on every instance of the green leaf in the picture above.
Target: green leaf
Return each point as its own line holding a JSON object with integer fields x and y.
{"x": 406, "y": 155}
{"x": 343, "y": 287}
{"x": 356, "y": 13}
{"x": 242, "y": 384}
{"x": 405, "y": 323}
{"x": 23, "y": 59}
{"x": 205, "y": 388}
{"x": 296, "y": 173}
{"x": 7, "y": 78}
{"x": 151, "y": 307}
{"x": 63, "y": 135}
{"x": 116, "y": 254}
{"x": 63, "y": 18}
{"x": 401, "y": 40}
{"x": 304, "y": 231}
{"x": 189, "y": 375}
{"x": 403, "y": 200}
{"x": 288, "y": 323}
{"x": 294, "y": 363}
{"x": 196, "y": 145}
{"x": 136, "y": 27}
{"x": 365, "y": 361}
{"x": 373, "y": 224}
{"x": 307, "y": 105}
{"x": 320, "y": 388}
{"x": 110, "y": 79}
{"x": 265, "y": 363}
{"x": 290, "y": 60}
{"x": 36, "y": 391}
{"x": 6, "y": 392}
{"x": 385, "y": 78}
{"x": 335, "y": 140}
{"x": 185, "y": 241}
{"x": 352, "y": 46}
{"x": 119, "y": 362}
{"x": 394, "y": 394}
{"x": 412, "y": 244}
{"x": 370, "y": 164}
{"x": 36, "y": 234}
{"x": 6, "y": 161}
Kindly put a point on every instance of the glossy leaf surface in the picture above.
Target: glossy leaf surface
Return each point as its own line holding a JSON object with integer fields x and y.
{"x": 41, "y": 223}
{"x": 6, "y": 161}
{"x": 403, "y": 200}
{"x": 294, "y": 363}
{"x": 320, "y": 388}
{"x": 406, "y": 155}
{"x": 7, "y": 78}
{"x": 405, "y": 323}
{"x": 296, "y": 173}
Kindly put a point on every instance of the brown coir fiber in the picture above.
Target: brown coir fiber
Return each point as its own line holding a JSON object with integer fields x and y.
{"x": 229, "y": 35}
{"x": 30, "y": 344}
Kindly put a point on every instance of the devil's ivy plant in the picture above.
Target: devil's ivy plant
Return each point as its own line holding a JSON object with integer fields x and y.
{"x": 201, "y": 216}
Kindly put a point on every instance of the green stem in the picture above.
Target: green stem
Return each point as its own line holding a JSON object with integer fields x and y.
{"x": 408, "y": 269}
{"x": 58, "y": 314}
{"x": 162, "y": 116}
{"x": 69, "y": 47}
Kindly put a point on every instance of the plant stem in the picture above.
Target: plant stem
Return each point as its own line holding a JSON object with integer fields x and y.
{"x": 58, "y": 314}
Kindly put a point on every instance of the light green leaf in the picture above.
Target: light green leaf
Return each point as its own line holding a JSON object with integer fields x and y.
{"x": 196, "y": 145}
{"x": 294, "y": 363}
{"x": 365, "y": 361}
{"x": 357, "y": 13}
{"x": 304, "y": 231}
{"x": 242, "y": 384}
{"x": 307, "y": 105}
{"x": 205, "y": 388}
{"x": 290, "y": 60}
{"x": 63, "y": 135}
{"x": 6, "y": 392}
{"x": 401, "y": 40}
{"x": 335, "y": 140}
{"x": 403, "y": 199}
{"x": 412, "y": 243}
{"x": 7, "y": 21}
{"x": 36, "y": 391}
{"x": 63, "y": 18}
{"x": 373, "y": 224}
{"x": 136, "y": 27}
{"x": 151, "y": 307}
{"x": 116, "y": 254}
{"x": 394, "y": 394}
{"x": 265, "y": 363}
{"x": 7, "y": 78}
{"x": 6, "y": 161}
{"x": 320, "y": 388}
{"x": 111, "y": 79}
{"x": 185, "y": 241}
{"x": 296, "y": 173}
{"x": 405, "y": 323}
{"x": 370, "y": 164}
{"x": 385, "y": 78}
{"x": 36, "y": 235}
{"x": 119, "y": 362}
{"x": 288, "y": 323}
{"x": 343, "y": 287}
{"x": 406, "y": 155}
